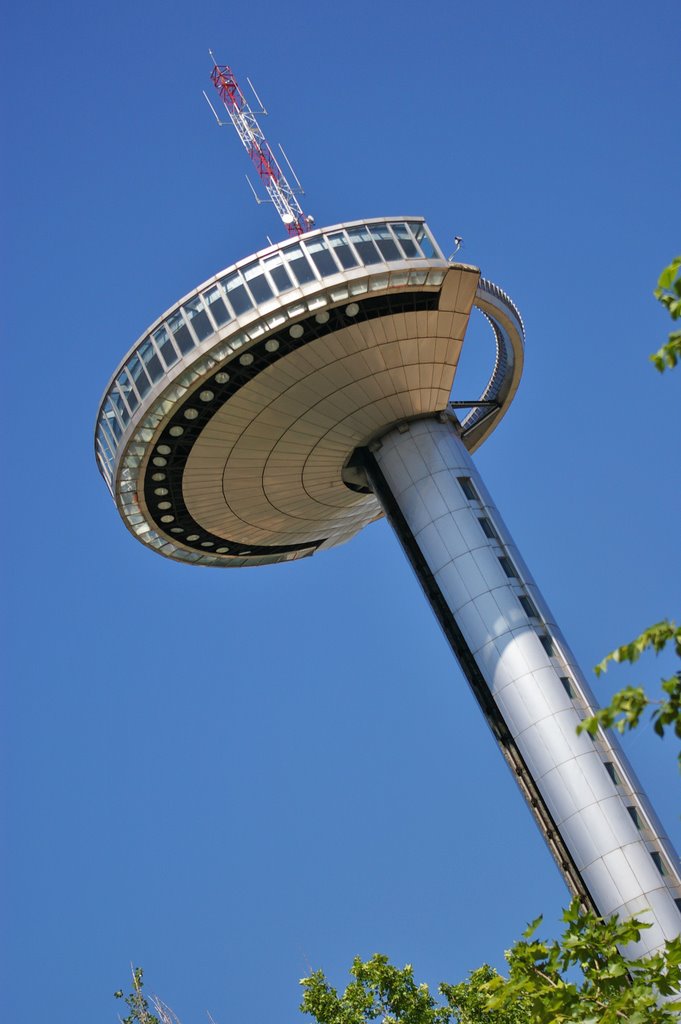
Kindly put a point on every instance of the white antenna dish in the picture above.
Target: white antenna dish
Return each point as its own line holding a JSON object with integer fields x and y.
{"x": 287, "y": 218}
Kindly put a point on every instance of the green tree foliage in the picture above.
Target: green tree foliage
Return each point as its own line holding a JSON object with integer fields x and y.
{"x": 586, "y": 977}
{"x": 626, "y": 707}
{"x": 668, "y": 292}
{"x": 582, "y": 977}
{"x": 136, "y": 1001}
{"x": 382, "y": 991}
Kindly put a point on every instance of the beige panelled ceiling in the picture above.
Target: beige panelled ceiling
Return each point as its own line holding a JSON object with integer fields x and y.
{"x": 267, "y": 468}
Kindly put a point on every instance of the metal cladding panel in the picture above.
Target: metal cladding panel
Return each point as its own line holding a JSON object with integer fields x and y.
{"x": 534, "y": 693}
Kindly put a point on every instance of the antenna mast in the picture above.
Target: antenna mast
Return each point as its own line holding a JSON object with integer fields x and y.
{"x": 251, "y": 134}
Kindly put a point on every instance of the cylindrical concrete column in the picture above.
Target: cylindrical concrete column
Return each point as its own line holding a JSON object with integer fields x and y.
{"x": 585, "y": 797}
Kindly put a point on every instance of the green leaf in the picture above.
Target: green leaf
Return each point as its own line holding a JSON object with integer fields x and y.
{"x": 532, "y": 926}
{"x": 666, "y": 278}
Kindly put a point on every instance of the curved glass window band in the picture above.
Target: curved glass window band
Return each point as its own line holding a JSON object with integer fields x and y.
{"x": 200, "y": 316}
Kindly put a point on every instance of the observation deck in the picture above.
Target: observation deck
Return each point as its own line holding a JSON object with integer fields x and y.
{"x": 225, "y": 434}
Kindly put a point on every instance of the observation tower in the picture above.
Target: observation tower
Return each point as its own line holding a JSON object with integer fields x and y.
{"x": 306, "y": 391}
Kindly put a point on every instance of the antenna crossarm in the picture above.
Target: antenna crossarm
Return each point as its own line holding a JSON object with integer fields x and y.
{"x": 246, "y": 124}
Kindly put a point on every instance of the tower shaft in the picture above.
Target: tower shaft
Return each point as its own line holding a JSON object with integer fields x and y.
{"x": 590, "y": 807}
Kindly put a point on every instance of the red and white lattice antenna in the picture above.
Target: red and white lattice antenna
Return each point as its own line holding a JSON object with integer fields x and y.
{"x": 241, "y": 115}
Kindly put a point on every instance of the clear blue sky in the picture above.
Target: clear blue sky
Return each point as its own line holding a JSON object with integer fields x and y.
{"x": 229, "y": 776}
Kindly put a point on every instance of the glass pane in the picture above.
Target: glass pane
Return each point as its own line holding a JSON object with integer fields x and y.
{"x": 126, "y": 389}
{"x": 148, "y": 355}
{"x": 195, "y": 312}
{"x": 103, "y": 440}
{"x": 119, "y": 405}
{"x": 302, "y": 271}
{"x": 385, "y": 242}
{"x": 239, "y": 298}
{"x": 342, "y": 250}
{"x": 406, "y": 241}
{"x": 423, "y": 238}
{"x": 138, "y": 376}
{"x": 107, "y": 435}
{"x": 165, "y": 346}
{"x": 321, "y": 256}
{"x": 104, "y": 450}
{"x": 367, "y": 251}
{"x": 278, "y": 273}
{"x": 111, "y": 420}
{"x": 258, "y": 283}
{"x": 216, "y": 304}
{"x": 183, "y": 338}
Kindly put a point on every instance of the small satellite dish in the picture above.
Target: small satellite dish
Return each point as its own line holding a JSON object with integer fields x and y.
{"x": 288, "y": 218}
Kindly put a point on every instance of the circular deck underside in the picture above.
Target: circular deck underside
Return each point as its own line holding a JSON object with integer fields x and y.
{"x": 247, "y": 467}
